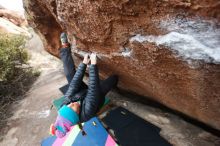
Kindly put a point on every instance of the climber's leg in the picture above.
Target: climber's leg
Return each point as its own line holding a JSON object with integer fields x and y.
{"x": 105, "y": 86}
{"x": 66, "y": 57}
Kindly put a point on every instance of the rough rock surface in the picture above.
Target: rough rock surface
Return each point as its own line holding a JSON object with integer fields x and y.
{"x": 12, "y": 22}
{"x": 166, "y": 50}
{"x": 12, "y": 16}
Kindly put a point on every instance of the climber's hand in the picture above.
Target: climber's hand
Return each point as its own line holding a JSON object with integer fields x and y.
{"x": 93, "y": 58}
{"x": 86, "y": 59}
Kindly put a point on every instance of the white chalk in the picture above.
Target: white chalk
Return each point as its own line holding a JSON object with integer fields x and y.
{"x": 197, "y": 40}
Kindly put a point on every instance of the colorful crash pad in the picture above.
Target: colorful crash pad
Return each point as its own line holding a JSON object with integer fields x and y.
{"x": 96, "y": 135}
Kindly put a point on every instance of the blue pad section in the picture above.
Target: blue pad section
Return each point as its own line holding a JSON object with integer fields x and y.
{"x": 48, "y": 141}
{"x": 96, "y": 135}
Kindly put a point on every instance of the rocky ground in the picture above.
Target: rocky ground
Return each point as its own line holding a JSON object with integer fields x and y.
{"x": 32, "y": 115}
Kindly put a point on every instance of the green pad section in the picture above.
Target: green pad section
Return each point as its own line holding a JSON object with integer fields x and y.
{"x": 57, "y": 102}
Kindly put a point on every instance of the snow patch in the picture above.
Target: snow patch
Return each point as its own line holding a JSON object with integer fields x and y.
{"x": 191, "y": 40}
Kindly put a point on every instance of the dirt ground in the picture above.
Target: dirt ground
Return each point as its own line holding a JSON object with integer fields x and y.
{"x": 32, "y": 115}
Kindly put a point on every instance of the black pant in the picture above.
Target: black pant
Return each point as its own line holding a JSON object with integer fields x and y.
{"x": 106, "y": 85}
{"x": 69, "y": 70}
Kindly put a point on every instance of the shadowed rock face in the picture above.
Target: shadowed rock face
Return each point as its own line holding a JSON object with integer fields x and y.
{"x": 168, "y": 51}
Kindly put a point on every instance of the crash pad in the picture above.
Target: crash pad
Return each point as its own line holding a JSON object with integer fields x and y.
{"x": 131, "y": 130}
{"x": 96, "y": 135}
{"x": 64, "y": 88}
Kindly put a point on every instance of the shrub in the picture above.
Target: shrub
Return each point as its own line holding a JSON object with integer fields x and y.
{"x": 16, "y": 76}
{"x": 12, "y": 55}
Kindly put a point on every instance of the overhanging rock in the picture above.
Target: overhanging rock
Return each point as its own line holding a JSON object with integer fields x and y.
{"x": 166, "y": 50}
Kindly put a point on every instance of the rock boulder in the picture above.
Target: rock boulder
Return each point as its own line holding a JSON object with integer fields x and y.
{"x": 166, "y": 50}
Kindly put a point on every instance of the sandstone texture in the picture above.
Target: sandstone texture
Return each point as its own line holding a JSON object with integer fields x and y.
{"x": 165, "y": 50}
{"x": 12, "y": 16}
{"x": 13, "y": 22}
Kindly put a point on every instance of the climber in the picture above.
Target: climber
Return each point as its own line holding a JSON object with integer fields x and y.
{"x": 81, "y": 102}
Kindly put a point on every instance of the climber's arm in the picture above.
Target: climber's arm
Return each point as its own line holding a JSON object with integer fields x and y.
{"x": 76, "y": 82}
{"x": 91, "y": 101}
